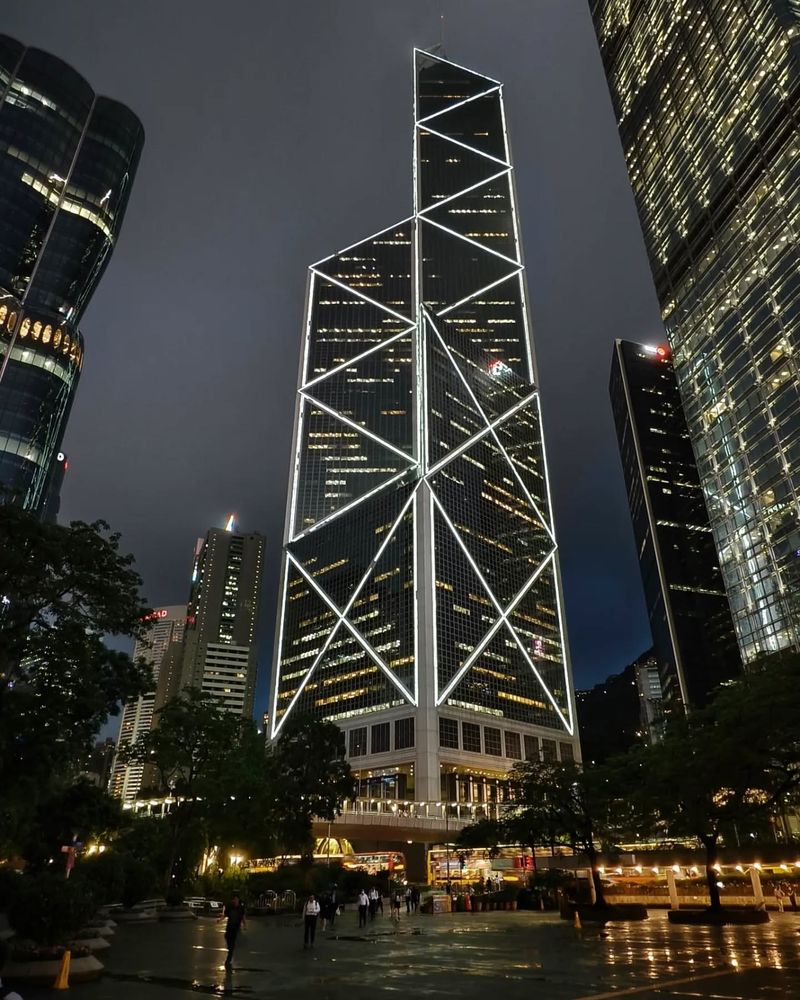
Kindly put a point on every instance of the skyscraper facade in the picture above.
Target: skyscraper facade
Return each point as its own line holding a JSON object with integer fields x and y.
{"x": 420, "y": 603}
{"x": 165, "y": 627}
{"x": 219, "y": 654}
{"x": 67, "y": 162}
{"x": 688, "y": 610}
{"x": 707, "y": 97}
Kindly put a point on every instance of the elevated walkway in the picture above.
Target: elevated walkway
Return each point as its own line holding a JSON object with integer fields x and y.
{"x": 403, "y": 820}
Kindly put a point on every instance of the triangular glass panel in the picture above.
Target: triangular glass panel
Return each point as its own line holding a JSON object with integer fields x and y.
{"x": 341, "y": 326}
{"x": 347, "y": 682}
{"x": 521, "y": 436}
{"x": 452, "y": 416}
{"x": 379, "y": 268}
{"x": 464, "y": 611}
{"x": 494, "y": 518}
{"x": 384, "y": 611}
{"x": 501, "y": 681}
{"x": 478, "y": 124}
{"x": 536, "y": 623}
{"x": 445, "y": 168}
{"x": 489, "y": 332}
{"x": 483, "y": 215}
{"x": 338, "y": 465}
{"x": 441, "y": 84}
{"x": 453, "y": 269}
{"x": 376, "y": 393}
{"x": 306, "y": 623}
{"x": 339, "y": 554}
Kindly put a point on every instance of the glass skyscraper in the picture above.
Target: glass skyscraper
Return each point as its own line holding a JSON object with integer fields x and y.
{"x": 688, "y": 610}
{"x": 67, "y": 162}
{"x": 707, "y": 98}
{"x": 420, "y": 604}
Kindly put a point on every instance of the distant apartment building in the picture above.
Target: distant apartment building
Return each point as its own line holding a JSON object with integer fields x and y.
{"x": 219, "y": 654}
{"x": 165, "y": 627}
{"x": 690, "y": 618}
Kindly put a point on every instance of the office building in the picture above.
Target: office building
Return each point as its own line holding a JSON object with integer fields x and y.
{"x": 220, "y": 647}
{"x": 52, "y": 499}
{"x": 686, "y": 603}
{"x": 420, "y": 602}
{"x": 707, "y": 97}
{"x": 609, "y": 716}
{"x": 652, "y": 719}
{"x": 164, "y": 630}
{"x": 67, "y": 162}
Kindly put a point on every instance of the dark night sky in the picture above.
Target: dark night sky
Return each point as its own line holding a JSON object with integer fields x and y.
{"x": 277, "y": 132}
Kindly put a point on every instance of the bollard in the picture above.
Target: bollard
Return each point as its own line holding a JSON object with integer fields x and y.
{"x": 62, "y": 979}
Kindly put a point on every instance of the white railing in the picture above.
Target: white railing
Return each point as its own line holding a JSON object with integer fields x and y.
{"x": 459, "y": 813}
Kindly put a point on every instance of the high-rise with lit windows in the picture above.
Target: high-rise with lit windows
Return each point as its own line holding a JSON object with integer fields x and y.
{"x": 420, "y": 603}
{"x": 67, "y": 163}
{"x": 707, "y": 99}
{"x": 690, "y": 619}
{"x": 219, "y": 655}
{"x": 164, "y": 632}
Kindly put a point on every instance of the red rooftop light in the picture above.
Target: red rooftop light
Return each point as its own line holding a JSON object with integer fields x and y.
{"x": 662, "y": 352}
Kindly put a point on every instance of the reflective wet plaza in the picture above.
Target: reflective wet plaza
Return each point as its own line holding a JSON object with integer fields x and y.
{"x": 508, "y": 955}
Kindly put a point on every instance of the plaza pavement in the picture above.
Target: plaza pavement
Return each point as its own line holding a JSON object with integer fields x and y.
{"x": 500, "y": 956}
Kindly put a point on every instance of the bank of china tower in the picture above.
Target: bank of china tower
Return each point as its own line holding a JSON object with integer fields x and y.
{"x": 420, "y": 604}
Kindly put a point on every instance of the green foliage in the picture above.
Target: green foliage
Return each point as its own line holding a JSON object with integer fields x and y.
{"x": 80, "y": 811}
{"x": 104, "y": 873}
{"x": 309, "y": 777}
{"x": 64, "y": 588}
{"x": 49, "y": 909}
{"x": 139, "y": 878}
{"x": 484, "y": 833}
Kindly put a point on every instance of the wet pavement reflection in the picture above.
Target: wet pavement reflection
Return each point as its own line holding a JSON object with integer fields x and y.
{"x": 466, "y": 955}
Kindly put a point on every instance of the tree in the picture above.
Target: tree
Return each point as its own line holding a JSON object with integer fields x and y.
{"x": 61, "y": 590}
{"x": 484, "y": 833}
{"x": 583, "y": 805}
{"x": 79, "y": 812}
{"x": 733, "y": 762}
{"x": 309, "y": 777}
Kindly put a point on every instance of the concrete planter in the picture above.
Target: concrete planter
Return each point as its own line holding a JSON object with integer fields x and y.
{"x": 171, "y": 913}
{"x": 611, "y": 914}
{"x": 94, "y": 944}
{"x": 81, "y": 970}
{"x": 135, "y": 916}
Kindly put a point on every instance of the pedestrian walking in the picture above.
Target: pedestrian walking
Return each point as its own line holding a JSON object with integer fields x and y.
{"x": 409, "y": 897}
{"x": 333, "y": 907}
{"x": 310, "y": 914}
{"x": 373, "y": 902}
{"x": 234, "y": 914}
{"x": 415, "y": 898}
{"x": 363, "y": 906}
{"x": 779, "y": 897}
{"x": 397, "y": 902}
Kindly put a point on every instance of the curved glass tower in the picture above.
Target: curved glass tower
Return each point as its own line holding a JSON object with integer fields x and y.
{"x": 420, "y": 605}
{"x": 67, "y": 162}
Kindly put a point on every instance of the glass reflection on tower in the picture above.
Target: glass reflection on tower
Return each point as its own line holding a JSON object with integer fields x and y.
{"x": 67, "y": 162}
{"x": 707, "y": 98}
{"x": 420, "y": 603}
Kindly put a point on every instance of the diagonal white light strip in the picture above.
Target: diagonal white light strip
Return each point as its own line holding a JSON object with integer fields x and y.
{"x": 280, "y": 649}
{"x": 459, "y": 104}
{"x": 481, "y": 434}
{"x": 496, "y": 603}
{"x": 349, "y": 506}
{"x": 359, "y": 357}
{"x": 484, "y": 642}
{"x": 302, "y": 685}
{"x": 360, "y": 295}
{"x": 298, "y": 460}
{"x": 478, "y": 246}
{"x": 480, "y": 291}
{"x": 449, "y": 62}
{"x": 342, "y": 614}
{"x": 457, "y": 142}
{"x": 437, "y": 204}
{"x": 357, "y": 427}
{"x": 359, "y": 243}
{"x": 567, "y": 686}
{"x": 512, "y": 468}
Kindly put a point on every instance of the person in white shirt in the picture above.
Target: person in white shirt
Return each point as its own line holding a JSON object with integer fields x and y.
{"x": 310, "y": 913}
{"x": 363, "y": 906}
{"x": 373, "y": 902}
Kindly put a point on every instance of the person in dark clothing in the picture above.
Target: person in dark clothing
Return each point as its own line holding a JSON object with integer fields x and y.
{"x": 234, "y": 913}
